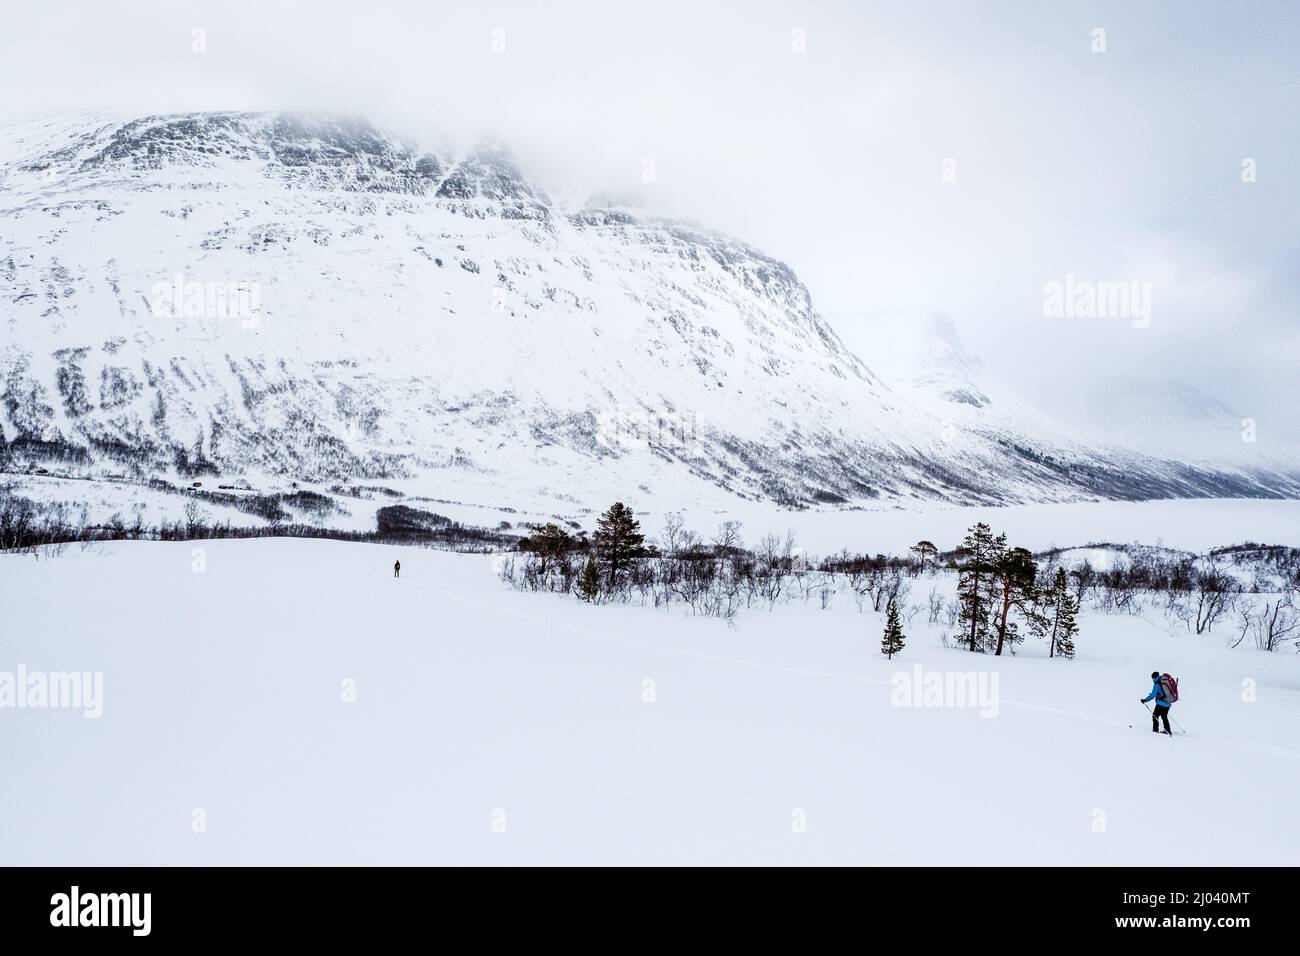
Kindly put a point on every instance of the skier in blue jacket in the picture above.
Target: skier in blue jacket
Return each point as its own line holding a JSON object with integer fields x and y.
{"x": 1163, "y": 704}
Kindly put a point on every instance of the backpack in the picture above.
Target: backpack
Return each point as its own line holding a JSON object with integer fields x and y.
{"x": 1169, "y": 687}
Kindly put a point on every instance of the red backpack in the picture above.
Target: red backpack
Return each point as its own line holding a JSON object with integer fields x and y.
{"x": 1169, "y": 684}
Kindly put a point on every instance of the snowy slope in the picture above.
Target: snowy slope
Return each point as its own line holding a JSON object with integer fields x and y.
{"x": 476, "y": 705}
{"x": 1179, "y": 420}
{"x": 921, "y": 355}
{"x": 433, "y": 321}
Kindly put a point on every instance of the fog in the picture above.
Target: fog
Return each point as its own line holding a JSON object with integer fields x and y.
{"x": 946, "y": 156}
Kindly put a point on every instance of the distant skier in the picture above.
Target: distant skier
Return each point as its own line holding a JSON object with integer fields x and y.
{"x": 397, "y": 569}
{"x": 1164, "y": 698}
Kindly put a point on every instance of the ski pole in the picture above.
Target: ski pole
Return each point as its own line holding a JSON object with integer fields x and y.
{"x": 1171, "y": 719}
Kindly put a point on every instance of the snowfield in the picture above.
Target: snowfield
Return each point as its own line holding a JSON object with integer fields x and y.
{"x": 1186, "y": 524}
{"x": 491, "y": 726}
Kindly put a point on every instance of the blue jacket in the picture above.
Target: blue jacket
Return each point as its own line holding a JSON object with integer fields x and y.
{"x": 1158, "y": 693}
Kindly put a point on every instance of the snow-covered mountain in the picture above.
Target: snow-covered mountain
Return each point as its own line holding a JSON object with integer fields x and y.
{"x": 279, "y": 297}
{"x": 1179, "y": 420}
{"x": 920, "y": 355}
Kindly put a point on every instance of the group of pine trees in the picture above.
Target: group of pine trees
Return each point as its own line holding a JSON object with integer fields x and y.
{"x": 993, "y": 581}
{"x": 617, "y": 543}
{"x": 998, "y": 588}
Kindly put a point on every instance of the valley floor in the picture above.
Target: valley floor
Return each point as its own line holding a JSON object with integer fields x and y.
{"x": 492, "y": 726}
{"x": 1193, "y": 524}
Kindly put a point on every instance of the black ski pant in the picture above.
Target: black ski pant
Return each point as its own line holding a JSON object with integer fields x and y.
{"x": 1160, "y": 713}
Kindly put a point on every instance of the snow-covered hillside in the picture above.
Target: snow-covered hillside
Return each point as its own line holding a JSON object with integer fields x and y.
{"x": 1173, "y": 419}
{"x": 921, "y": 355}
{"x": 434, "y": 322}
{"x": 443, "y": 718}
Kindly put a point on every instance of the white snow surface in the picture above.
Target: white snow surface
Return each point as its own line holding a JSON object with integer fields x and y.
{"x": 477, "y": 704}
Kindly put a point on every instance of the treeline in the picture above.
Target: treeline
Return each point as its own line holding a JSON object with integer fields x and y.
{"x": 719, "y": 576}
{"x": 714, "y": 577}
{"x": 1248, "y": 590}
{"x": 1004, "y": 594}
{"x": 27, "y": 526}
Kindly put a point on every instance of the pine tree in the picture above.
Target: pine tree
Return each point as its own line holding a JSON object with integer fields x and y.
{"x": 619, "y": 539}
{"x": 589, "y": 580}
{"x": 1055, "y": 620}
{"x": 1064, "y": 626}
{"x": 893, "y": 641}
{"x": 1013, "y": 580}
{"x": 981, "y": 552}
{"x": 924, "y": 551}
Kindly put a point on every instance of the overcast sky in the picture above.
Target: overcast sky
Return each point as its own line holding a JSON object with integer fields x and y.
{"x": 1117, "y": 165}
